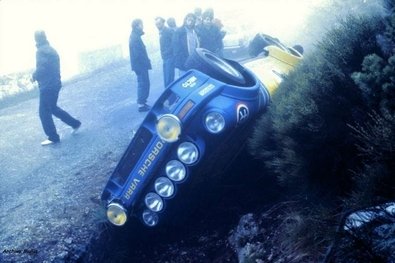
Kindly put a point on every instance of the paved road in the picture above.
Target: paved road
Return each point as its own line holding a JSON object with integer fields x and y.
{"x": 49, "y": 195}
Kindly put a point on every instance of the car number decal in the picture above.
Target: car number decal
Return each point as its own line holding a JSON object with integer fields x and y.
{"x": 189, "y": 83}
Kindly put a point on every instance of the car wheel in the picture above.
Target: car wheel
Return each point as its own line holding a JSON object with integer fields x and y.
{"x": 261, "y": 41}
{"x": 218, "y": 68}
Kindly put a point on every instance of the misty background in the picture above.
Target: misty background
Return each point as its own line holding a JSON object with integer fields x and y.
{"x": 90, "y": 34}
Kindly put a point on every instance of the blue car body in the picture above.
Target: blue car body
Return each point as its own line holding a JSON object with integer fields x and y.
{"x": 193, "y": 131}
{"x": 189, "y": 99}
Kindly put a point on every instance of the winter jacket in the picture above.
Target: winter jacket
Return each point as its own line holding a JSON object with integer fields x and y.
{"x": 180, "y": 48}
{"x": 139, "y": 60}
{"x": 47, "y": 71}
{"x": 210, "y": 37}
{"x": 166, "y": 46}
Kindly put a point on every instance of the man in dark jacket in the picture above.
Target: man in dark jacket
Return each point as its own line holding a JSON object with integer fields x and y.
{"x": 185, "y": 41}
{"x": 210, "y": 36}
{"x": 47, "y": 75}
{"x": 166, "y": 50}
{"x": 140, "y": 64}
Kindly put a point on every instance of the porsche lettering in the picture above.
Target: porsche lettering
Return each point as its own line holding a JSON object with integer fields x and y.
{"x": 150, "y": 158}
{"x": 131, "y": 188}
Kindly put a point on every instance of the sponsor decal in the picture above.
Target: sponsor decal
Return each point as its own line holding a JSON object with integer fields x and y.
{"x": 189, "y": 83}
{"x": 150, "y": 158}
{"x": 206, "y": 89}
{"x": 144, "y": 168}
{"x": 242, "y": 113}
{"x": 187, "y": 107}
{"x": 132, "y": 187}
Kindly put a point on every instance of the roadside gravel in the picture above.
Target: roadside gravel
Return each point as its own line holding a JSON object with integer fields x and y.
{"x": 49, "y": 196}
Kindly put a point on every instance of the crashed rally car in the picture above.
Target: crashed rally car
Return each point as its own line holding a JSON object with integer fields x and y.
{"x": 193, "y": 131}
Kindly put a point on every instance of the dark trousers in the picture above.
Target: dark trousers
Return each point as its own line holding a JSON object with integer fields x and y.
{"x": 168, "y": 71}
{"x": 143, "y": 86}
{"x": 48, "y": 107}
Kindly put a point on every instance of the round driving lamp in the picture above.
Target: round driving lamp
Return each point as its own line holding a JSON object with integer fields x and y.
{"x": 150, "y": 218}
{"x": 164, "y": 187}
{"x": 168, "y": 127}
{"x": 214, "y": 122}
{"x": 188, "y": 153}
{"x": 154, "y": 202}
{"x": 116, "y": 214}
{"x": 175, "y": 170}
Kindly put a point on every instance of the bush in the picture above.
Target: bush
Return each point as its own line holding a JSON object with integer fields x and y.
{"x": 305, "y": 138}
{"x": 328, "y": 136}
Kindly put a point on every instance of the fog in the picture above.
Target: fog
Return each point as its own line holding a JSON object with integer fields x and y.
{"x": 77, "y": 27}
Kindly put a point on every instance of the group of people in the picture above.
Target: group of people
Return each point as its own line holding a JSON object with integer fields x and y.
{"x": 199, "y": 29}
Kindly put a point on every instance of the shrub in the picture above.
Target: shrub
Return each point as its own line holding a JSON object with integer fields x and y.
{"x": 328, "y": 136}
{"x": 305, "y": 138}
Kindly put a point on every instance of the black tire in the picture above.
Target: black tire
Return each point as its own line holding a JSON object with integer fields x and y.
{"x": 260, "y": 41}
{"x": 216, "y": 67}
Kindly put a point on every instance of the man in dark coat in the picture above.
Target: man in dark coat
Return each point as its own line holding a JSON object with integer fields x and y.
{"x": 185, "y": 41}
{"x": 166, "y": 50}
{"x": 47, "y": 75}
{"x": 210, "y": 36}
{"x": 140, "y": 64}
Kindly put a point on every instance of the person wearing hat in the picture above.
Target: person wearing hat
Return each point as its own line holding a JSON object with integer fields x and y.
{"x": 47, "y": 74}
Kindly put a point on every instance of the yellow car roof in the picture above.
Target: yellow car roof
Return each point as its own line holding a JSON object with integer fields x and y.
{"x": 271, "y": 68}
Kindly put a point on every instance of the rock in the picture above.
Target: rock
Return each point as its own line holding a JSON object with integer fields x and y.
{"x": 68, "y": 240}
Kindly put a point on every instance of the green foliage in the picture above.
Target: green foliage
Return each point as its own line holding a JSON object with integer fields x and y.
{"x": 374, "y": 182}
{"x": 377, "y": 82}
{"x": 304, "y": 139}
{"x": 390, "y": 5}
{"x": 329, "y": 134}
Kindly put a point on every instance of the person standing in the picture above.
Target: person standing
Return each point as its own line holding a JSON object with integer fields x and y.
{"x": 209, "y": 12}
{"x": 171, "y": 23}
{"x": 198, "y": 15}
{"x": 185, "y": 41}
{"x": 47, "y": 74}
{"x": 166, "y": 50}
{"x": 140, "y": 64}
{"x": 210, "y": 36}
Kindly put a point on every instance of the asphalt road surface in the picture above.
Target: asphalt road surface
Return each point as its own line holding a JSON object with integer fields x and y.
{"x": 50, "y": 196}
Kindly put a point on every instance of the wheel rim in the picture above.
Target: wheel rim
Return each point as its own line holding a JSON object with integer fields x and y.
{"x": 271, "y": 41}
{"x": 223, "y": 65}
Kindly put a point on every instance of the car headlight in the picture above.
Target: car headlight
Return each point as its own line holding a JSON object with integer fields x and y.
{"x": 164, "y": 187}
{"x": 168, "y": 127}
{"x": 175, "y": 170}
{"x": 116, "y": 214}
{"x": 214, "y": 122}
{"x": 188, "y": 153}
{"x": 150, "y": 218}
{"x": 153, "y": 202}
